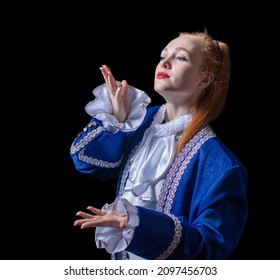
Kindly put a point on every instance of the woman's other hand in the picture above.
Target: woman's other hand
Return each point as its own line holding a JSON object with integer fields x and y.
{"x": 100, "y": 218}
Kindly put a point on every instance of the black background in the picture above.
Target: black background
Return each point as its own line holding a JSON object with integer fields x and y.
{"x": 52, "y": 65}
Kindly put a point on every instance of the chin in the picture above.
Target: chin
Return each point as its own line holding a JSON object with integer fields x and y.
{"x": 159, "y": 88}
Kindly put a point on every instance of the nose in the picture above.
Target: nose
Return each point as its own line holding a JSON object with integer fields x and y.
{"x": 166, "y": 63}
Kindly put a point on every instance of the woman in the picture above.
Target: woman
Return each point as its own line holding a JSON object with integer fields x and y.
{"x": 181, "y": 193}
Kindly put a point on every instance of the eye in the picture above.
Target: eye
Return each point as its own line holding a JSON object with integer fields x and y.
{"x": 181, "y": 58}
{"x": 162, "y": 57}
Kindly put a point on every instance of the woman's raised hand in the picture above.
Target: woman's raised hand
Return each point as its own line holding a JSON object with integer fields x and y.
{"x": 118, "y": 94}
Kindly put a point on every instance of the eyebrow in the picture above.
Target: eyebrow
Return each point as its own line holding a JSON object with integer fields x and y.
{"x": 180, "y": 49}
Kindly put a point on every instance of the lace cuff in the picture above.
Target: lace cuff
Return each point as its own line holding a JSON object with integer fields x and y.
{"x": 101, "y": 109}
{"x": 115, "y": 239}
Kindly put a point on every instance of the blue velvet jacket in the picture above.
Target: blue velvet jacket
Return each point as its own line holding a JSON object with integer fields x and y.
{"x": 202, "y": 208}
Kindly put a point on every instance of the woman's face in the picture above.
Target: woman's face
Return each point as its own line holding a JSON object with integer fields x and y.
{"x": 177, "y": 75}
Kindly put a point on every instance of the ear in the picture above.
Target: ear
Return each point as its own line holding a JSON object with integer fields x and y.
{"x": 206, "y": 80}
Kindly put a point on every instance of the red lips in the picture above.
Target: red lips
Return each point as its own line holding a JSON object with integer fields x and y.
{"x": 162, "y": 75}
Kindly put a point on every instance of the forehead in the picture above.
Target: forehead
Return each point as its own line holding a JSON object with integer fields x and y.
{"x": 190, "y": 43}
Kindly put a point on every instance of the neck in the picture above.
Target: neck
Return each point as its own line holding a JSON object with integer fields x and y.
{"x": 175, "y": 111}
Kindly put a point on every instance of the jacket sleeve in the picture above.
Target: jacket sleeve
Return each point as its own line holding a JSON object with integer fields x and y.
{"x": 98, "y": 152}
{"x": 211, "y": 230}
{"x": 98, "y": 149}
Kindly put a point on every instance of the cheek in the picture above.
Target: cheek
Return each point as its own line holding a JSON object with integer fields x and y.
{"x": 183, "y": 78}
{"x": 191, "y": 76}
{"x": 188, "y": 82}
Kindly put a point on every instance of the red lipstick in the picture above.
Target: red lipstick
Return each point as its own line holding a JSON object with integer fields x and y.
{"x": 162, "y": 75}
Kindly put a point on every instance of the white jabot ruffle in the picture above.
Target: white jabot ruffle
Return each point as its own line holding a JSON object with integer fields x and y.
{"x": 115, "y": 239}
{"x": 101, "y": 109}
{"x": 152, "y": 159}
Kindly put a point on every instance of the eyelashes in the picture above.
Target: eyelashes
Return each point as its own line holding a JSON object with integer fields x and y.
{"x": 180, "y": 58}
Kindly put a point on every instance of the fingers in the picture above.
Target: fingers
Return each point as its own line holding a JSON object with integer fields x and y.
{"x": 96, "y": 211}
{"x": 84, "y": 215}
{"x": 87, "y": 223}
{"x": 93, "y": 210}
{"x": 106, "y": 68}
{"x": 112, "y": 83}
{"x": 101, "y": 219}
{"x": 122, "y": 89}
{"x": 89, "y": 218}
{"x": 118, "y": 91}
{"x": 104, "y": 74}
{"x": 109, "y": 78}
{"x": 81, "y": 222}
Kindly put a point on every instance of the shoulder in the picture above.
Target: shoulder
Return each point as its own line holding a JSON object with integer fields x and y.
{"x": 215, "y": 148}
{"x": 219, "y": 160}
{"x": 207, "y": 149}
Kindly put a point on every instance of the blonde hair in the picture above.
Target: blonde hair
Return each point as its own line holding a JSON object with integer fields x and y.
{"x": 210, "y": 103}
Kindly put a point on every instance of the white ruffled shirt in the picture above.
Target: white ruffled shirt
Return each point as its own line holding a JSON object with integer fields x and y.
{"x": 147, "y": 166}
